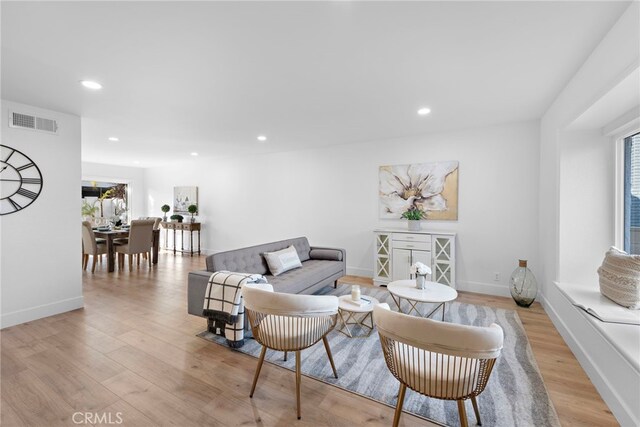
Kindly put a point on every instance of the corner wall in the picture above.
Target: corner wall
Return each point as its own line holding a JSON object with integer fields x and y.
{"x": 330, "y": 195}
{"x": 615, "y": 58}
{"x": 40, "y": 271}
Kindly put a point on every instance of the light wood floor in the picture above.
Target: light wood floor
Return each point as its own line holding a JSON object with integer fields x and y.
{"x": 132, "y": 352}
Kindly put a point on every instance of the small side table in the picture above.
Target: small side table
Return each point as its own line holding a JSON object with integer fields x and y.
{"x": 182, "y": 227}
{"x": 355, "y": 315}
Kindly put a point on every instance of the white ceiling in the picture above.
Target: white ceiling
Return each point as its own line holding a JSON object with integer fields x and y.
{"x": 209, "y": 77}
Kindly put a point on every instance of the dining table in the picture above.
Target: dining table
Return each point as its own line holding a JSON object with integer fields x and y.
{"x": 111, "y": 235}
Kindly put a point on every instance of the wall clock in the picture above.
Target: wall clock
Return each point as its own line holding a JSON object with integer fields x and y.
{"x": 20, "y": 180}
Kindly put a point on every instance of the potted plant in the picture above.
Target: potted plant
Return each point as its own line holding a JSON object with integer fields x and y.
{"x": 413, "y": 215}
{"x": 193, "y": 209}
{"x": 165, "y": 209}
{"x": 177, "y": 218}
{"x": 89, "y": 210}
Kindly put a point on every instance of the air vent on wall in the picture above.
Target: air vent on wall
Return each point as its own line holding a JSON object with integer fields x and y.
{"x": 26, "y": 121}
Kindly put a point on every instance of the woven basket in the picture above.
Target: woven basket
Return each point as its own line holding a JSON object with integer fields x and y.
{"x": 620, "y": 278}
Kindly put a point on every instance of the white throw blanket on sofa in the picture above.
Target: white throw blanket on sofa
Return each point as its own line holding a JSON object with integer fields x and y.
{"x": 223, "y": 305}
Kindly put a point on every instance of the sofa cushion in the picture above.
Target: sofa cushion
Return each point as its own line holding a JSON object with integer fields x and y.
{"x": 250, "y": 260}
{"x": 282, "y": 260}
{"x": 312, "y": 272}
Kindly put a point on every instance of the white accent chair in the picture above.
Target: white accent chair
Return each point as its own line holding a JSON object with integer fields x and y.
{"x": 437, "y": 359}
{"x": 140, "y": 242}
{"x": 289, "y": 322}
{"x": 90, "y": 246}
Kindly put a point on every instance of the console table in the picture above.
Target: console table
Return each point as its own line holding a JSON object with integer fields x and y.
{"x": 397, "y": 249}
{"x": 182, "y": 227}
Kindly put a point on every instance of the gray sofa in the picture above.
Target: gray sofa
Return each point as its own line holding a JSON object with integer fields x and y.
{"x": 320, "y": 267}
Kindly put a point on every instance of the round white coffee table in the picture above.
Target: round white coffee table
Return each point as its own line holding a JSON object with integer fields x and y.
{"x": 353, "y": 314}
{"x": 434, "y": 293}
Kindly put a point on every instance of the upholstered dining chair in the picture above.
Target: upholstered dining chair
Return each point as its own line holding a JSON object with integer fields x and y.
{"x": 140, "y": 241}
{"x": 156, "y": 226}
{"x": 157, "y": 220}
{"x": 288, "y": 322}
{"x": 90, "y": 246}
{"x": 437, "y": 359}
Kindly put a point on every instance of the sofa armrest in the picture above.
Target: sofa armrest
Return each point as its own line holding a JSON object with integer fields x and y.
{"x": 328, "y": 254}
{"x": 196, "y": 288}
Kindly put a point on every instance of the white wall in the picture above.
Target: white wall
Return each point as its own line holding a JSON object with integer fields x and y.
{"x": 586, "y": 205}
{"x": 121, "y": 174}
{"x": 615, "y": 58}
{"x": 41, "y": 245}
{"x": 330, "y": 196}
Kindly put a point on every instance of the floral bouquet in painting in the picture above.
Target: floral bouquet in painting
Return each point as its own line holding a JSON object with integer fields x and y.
{"x": 424, "y": 187}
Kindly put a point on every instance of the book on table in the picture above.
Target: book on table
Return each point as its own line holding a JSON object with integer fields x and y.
{"x": 364, "y": 301}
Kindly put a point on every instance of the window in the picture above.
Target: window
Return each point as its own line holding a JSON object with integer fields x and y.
{"x": 632, "y": 194}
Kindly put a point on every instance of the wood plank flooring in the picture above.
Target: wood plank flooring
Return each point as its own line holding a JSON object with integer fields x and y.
{"x": 132, "y": 353}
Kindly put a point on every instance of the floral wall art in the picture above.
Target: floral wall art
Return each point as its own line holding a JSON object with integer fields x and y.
{"x": 429, "y": 187}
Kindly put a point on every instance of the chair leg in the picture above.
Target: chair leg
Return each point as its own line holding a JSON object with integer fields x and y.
{"x": 285, "y": 356}
{"x": 474, "y": 402}
{"x": 255, "y": 377}
{"x": 130, "y": 262}
{"x": 149, "y": 258}
{"x": 463, "y": 414}
{"x": 85, "y": 261}
{"x": 138, "y": 259}
{"x": 326, "y": 347}
{"x": 298, "y": 378}
{"x": 396, "y": 416}
{"x": 93, "y": 263}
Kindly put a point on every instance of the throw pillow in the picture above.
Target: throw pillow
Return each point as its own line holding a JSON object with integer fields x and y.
{"x": 620, "y": 278}
{"x": 325, "y": 254}
{"x": 283, "y": 260}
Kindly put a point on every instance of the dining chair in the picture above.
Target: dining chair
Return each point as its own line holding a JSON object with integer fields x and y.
{"x": 90, "y": 246}
{"x": 437, "y": 359}
{"x": 289, "y": 322}
{"x": 140, "y": 242}
{"x": 157, "y": 221}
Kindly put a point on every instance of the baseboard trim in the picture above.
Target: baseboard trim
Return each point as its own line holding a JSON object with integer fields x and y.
{"x": 483, "y": 288}
{"x": 38, "y": 312}
{"x": 616, "y": 399}
{"x": 356, "y": 271}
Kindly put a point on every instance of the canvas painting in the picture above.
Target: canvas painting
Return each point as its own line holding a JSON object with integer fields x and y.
{"x": 183, "y": 197}
{"x": 429, "y": 187}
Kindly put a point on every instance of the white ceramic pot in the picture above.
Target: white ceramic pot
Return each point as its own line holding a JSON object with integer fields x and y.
{"x": 414, "y": 224}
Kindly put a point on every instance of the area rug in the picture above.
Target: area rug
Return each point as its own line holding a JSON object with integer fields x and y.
{"x": 515, "y": 396}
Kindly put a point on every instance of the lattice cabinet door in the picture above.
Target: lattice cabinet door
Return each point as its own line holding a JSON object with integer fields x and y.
{"x": 382, "y": 258}
{"x": 443, "y": 251}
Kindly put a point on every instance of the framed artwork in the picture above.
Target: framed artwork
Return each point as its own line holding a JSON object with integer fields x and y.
{"x": 429, "y": 187}
{"x": 183, "y": 197}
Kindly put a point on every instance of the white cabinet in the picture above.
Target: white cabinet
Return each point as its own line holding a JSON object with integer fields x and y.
{"x": 397, "y": 250}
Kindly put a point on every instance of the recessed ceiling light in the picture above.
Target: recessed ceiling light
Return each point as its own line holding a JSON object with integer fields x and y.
{"x": 424, "y": 111}
{"x": 262, "y": 138}
{"x": 114, "y": 139}
{"x": 194, "y": 154}
{"x": 91, "y": 84}
{"x": 136, "y": 162}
